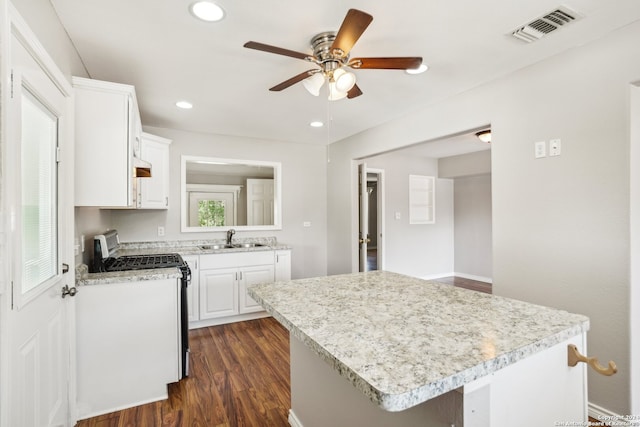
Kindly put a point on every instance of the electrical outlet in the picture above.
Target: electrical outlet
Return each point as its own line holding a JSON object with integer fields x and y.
{"x": 555, "y": 147}
{"x": 398, "y": 216}
{"x": 540, "y": 149}
{"x": 160, "y": 231}
{"x": 306, "y": 224}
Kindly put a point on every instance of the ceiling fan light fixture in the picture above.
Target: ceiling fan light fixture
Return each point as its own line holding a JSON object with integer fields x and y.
{"x": 314, "y": 83}
{"x": 484, "y": 136}
{"x": 334, "y": 93}
{"x": 344, "y": 80}
{"x": 207, "y": 11}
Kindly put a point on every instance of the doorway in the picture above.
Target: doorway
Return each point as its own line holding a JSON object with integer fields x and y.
{"x": 371, "y": 218}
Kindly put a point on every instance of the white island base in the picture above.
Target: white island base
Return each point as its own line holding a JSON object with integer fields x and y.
{"x": 539, "y": 390}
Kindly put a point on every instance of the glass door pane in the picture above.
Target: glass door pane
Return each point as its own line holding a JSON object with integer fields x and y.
{"x": 39, "y": 192}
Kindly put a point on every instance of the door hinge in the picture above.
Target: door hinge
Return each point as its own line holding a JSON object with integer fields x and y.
{"x": 11, "y": 84}
{"x": 58, "y": 157}
{"x": 12, "y": 293}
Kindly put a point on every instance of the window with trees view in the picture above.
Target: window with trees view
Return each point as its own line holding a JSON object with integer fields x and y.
{"x": 211, "y": 213}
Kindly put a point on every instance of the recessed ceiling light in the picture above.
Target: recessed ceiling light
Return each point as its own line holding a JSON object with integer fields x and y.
{"x": 184, "y": 105}
{"x": 316, "y": 124}
{"x": 207, "y": 11}
{"x": 421, "y": 69}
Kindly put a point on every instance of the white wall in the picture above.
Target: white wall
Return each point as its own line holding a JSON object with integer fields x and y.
{"x": 304, "y": 192}
{"x": 560, "y": 225}
{"x": 472, "y": 226}
{"x": 420, "y": 250}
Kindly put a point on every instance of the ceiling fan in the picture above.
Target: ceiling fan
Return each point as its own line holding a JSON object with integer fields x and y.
{"x": 331, "y": 55}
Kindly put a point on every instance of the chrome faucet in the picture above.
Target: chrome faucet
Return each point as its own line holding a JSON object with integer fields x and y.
{"x": 230, "y": 234}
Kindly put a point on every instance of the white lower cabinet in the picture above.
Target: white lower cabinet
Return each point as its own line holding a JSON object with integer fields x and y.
{"x": 283, "y": 265}
{"x": 218, "y": 293}
{"x": 251, "y": 276}
{"x": 128, "y": 344}
{"x": 223, "y": 282}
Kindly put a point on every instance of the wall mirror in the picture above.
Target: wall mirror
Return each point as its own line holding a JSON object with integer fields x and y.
{"x": 220, "y": 194}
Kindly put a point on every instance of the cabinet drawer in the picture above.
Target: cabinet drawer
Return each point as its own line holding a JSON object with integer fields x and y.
{"x": 236, "y": 259}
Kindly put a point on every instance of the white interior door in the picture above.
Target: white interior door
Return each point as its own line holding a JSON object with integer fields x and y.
{"x": 363, "y": 228}
{"x": 260, "y": 197}
{"x": 37, "y": 393}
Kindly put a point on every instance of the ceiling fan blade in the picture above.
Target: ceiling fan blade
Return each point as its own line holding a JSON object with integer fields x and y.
{"x": 277, "y": 50}
{"x": 394, "y": 63}
{"x": 354, "y": 92}
{"x": 350, "y": 31}
{"x": 293, "y": 80}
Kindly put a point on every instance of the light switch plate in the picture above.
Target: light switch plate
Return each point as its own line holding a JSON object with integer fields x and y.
{"x": 540, "y": 149}
{"x": 555, "y": 147}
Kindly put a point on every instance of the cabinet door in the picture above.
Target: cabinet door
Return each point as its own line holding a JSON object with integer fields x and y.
{"x": 250, "y": 276}
{"x": 218, "y": 293}
{"x": 153, "y": 193}
{"x": 103, "y": 149}
{"x": 193, "y": 288}
{"x": 283, "y": 265}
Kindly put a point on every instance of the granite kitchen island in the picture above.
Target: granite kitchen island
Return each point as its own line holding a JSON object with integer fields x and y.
{"x": 382, "y": 349}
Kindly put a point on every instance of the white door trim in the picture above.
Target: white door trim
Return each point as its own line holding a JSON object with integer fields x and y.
{"x": 634, "y": 222}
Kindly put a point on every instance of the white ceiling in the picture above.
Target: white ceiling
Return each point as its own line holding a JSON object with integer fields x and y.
{"x": 169, "y": 56}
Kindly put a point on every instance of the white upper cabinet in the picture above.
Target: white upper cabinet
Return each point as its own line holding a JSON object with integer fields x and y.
{"x": 107, "y": 132}
{"x": 153, "y": 192}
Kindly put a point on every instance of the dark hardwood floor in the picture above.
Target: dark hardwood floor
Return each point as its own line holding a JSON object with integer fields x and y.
{"x": 239, "y": 377}
{"x": 461, "y": 282}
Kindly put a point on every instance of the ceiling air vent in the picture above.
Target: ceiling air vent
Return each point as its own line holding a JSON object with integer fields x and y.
{"x": 546, "y": 24}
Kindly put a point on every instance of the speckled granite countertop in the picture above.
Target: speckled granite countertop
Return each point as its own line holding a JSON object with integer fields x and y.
{"x": 402, "y": 340}
{"x": 182, "y": 247}
{"x": 84, "y": 278}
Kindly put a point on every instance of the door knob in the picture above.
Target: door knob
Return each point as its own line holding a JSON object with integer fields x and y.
{"x": 69, "y": 291}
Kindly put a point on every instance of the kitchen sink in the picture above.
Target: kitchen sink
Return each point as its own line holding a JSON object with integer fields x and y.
{"x": 248, "y": 245}
{"x": 215, "y": 247}
{"x": 234, "y": 246}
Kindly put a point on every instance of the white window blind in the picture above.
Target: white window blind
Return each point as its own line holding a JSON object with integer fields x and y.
{"x": 39, "y": 193}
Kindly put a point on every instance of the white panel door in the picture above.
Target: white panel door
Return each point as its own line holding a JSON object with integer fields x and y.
{"x": 40, "y": 154}
{"x": 260, "y": 199}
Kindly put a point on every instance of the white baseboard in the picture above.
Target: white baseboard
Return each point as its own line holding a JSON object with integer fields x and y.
{"x": 437, "y": 276}
{"x": 600, "y": 413}
{"x": 293, "y": 420}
